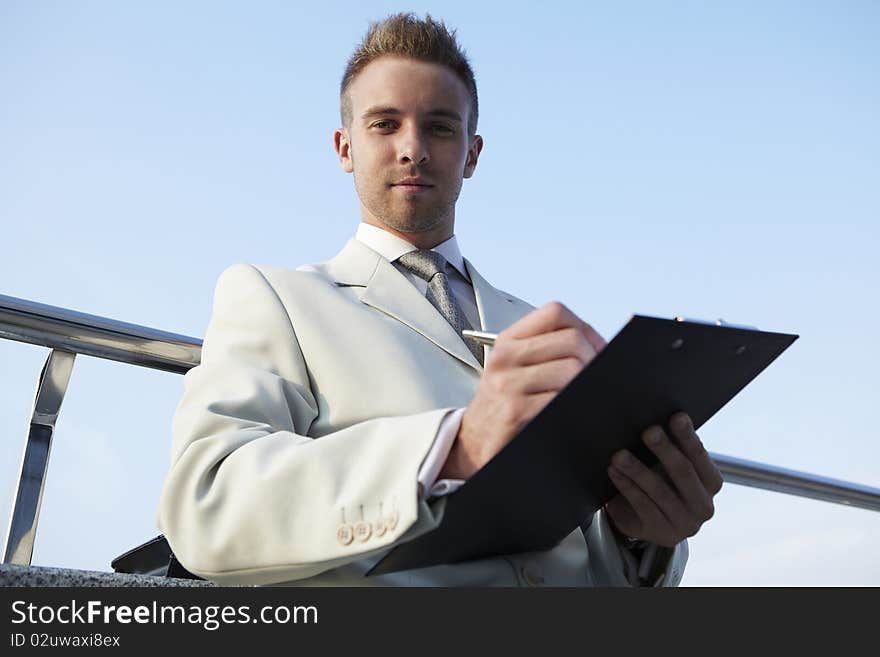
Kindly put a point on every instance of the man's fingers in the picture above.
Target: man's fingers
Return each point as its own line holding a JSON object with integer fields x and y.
{"x": 624, "y": 517}
{"x": 660, "y": 493}
{"x": 552, "y": 376}
{"x": 549, "y": 317}
{"x": 681, "y": 473}
{"x": 692, "y": 447}
{"x": 551, "y": 331}
{"x": 655, "y": 526}
{"x": 536, "y": 403}
{"x": 597, "y": 342}
{"x": 561, "y": 343}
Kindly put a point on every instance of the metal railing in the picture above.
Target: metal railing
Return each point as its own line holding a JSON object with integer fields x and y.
{"x": 68, "y": 333}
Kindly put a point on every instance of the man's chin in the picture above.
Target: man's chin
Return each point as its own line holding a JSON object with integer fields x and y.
{"x": 413, "y": 224}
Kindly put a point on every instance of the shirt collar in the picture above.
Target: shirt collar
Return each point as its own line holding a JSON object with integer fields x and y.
{"x": 391, "y": 247}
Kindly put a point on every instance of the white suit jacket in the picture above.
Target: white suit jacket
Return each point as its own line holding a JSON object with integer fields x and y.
{"x": 299, "y": 437}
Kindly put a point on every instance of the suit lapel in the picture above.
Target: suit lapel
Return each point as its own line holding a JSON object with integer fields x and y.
{"x": 497, "y": 310}
{"x": 388, "y": 291}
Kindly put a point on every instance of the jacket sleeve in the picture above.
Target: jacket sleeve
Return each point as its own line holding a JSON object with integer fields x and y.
{"x": 250, "y": 498}
{"x": 609, "y": 567}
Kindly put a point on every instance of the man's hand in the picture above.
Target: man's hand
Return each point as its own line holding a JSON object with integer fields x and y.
{"x": 531, "y": 361}
{"x": 653, "y": 509}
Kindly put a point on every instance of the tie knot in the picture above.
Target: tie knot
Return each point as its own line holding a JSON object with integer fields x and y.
{"x": 424, "y": 264}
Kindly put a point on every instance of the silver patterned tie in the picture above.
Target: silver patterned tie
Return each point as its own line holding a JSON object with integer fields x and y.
{"x": 431, "y": 266}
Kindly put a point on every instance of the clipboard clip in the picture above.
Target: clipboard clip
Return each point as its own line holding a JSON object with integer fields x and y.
{"x": 717, "y": 322}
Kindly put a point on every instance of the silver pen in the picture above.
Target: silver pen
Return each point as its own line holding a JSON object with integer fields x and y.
{"x": 481, "y": 336}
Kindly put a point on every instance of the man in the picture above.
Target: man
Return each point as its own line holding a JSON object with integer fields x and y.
{"x": 336, "y": 405}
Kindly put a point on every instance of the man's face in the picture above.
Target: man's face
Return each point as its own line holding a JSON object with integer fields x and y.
{"x": 408, "y": 146}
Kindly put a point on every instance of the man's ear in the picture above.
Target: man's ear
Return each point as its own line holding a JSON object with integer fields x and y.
{"x": 342, "y": 144}
{"x": 473, "y": 155}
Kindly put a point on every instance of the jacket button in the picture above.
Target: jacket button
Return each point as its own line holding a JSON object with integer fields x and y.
{"x": 392, "y": 520}
{"x": 379, "y": 527}
{"x": 344, "y": 534}
{"x": 362, "y": 531}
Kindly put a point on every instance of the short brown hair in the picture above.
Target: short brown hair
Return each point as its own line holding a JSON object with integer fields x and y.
{"x": 405, "y": 35}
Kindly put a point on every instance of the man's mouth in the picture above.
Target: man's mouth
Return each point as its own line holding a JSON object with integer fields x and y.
{"x": 412, "y": 185}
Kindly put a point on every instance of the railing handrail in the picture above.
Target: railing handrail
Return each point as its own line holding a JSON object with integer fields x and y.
{"x": 69, "y": 332}
{"x": 794, "y": 482}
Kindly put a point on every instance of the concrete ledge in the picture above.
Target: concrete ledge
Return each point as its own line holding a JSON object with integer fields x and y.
{"x": 12, "y": 575}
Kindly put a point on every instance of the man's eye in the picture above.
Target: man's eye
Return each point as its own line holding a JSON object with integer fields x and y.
{"x": 442, "y": 129}
{"x": 383, "y": 125}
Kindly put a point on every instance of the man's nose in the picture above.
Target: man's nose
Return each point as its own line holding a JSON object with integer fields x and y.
{"x": 412, "y": 149}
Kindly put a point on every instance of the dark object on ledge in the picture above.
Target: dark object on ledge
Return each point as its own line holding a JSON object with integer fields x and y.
{"x": 152, "y": 558}
{"x": 13, "y": 575}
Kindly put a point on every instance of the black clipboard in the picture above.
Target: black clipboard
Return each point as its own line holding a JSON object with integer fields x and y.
{"x": 552, "y": 477}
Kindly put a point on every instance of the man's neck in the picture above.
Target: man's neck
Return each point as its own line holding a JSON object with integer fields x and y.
{"x": 426, "y": 240}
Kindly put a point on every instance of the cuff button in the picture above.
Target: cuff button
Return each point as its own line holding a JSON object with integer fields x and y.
{"x": 392, "y": 520}
{"x": 362, "y": 531}
{"x": 344, "y": 534}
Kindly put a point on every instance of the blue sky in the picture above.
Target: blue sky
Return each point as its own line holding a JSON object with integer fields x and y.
{"x": 702, "y": 159}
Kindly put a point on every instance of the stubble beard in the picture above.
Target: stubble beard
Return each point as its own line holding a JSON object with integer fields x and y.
{"x": 414, "y": 215}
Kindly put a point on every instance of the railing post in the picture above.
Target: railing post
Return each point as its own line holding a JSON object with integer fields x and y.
{"x": 47, "y": 404}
